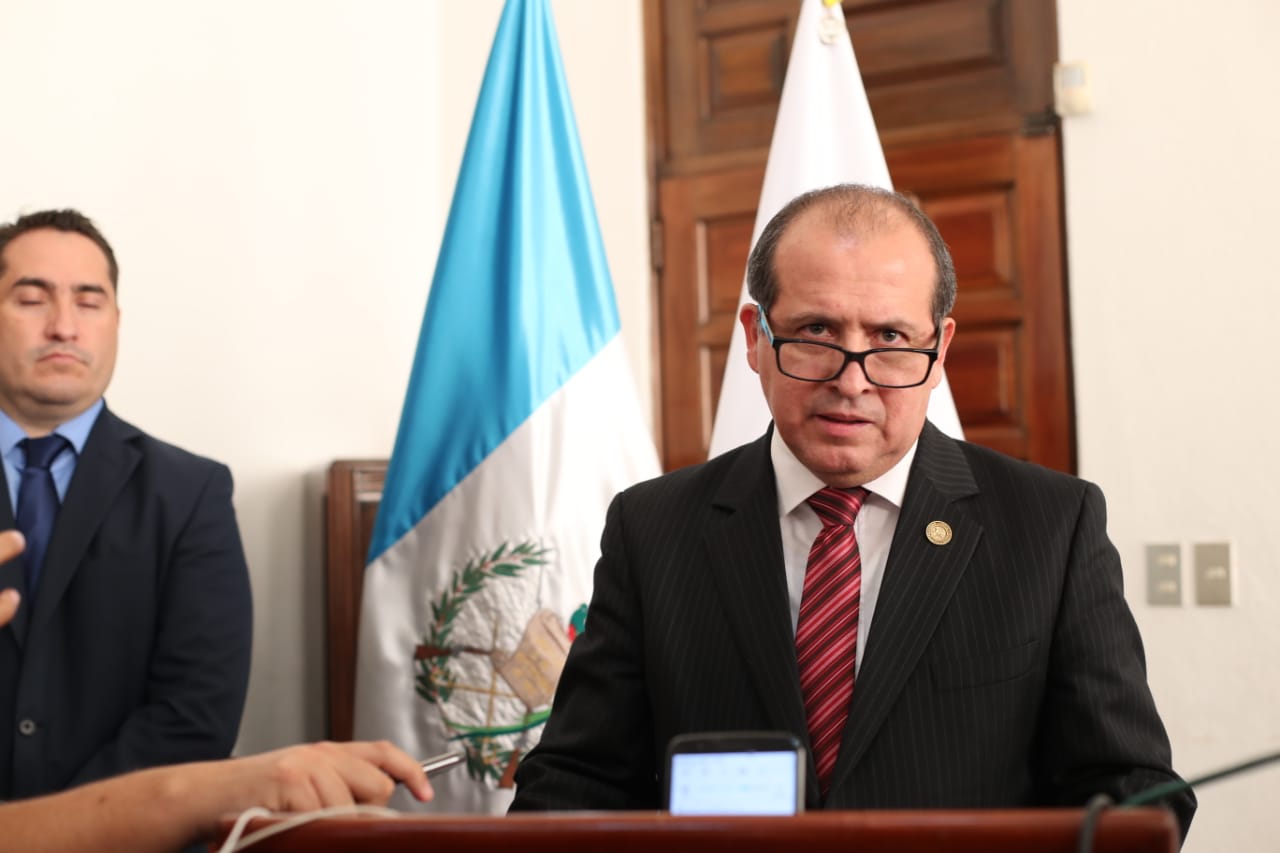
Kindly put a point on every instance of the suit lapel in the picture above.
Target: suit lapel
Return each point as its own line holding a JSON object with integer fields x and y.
{"x": 744, "y": 550}
{"x": 101, "y": 472}
{"x": 919, "y": 580}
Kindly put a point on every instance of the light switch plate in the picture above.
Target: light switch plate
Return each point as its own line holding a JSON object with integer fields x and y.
{"x": 1213, "y": 573}
{"x": 1164, "y": 575}
{"x": 1071, "y": 93}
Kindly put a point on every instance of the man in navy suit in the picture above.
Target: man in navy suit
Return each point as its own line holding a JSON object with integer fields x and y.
{"x": 132, "y": 646}
{"x": 992, "y": 661}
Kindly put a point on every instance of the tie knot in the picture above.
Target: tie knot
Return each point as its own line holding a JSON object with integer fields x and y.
{"x": 41, "y": 452}
{"x": 837, "y": 507}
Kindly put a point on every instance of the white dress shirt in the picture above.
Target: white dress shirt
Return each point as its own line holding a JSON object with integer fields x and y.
{"x": 873, "y": 527}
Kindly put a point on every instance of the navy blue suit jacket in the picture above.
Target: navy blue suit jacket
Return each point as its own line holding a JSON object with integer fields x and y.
{"x": 1003, "y": 668}
{"x": 134, "y": 649}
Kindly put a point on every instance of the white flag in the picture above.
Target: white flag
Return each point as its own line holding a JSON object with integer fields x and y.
{"x": 824, "y": 135}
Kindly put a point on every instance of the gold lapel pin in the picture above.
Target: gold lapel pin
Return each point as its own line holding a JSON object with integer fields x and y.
{"x": 938, "y": 532}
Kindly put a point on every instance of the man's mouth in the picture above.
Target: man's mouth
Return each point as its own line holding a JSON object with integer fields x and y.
{"x": 61, "y": 356}
{"x": 842, "y": 425}
{"x": 840, "y": 418}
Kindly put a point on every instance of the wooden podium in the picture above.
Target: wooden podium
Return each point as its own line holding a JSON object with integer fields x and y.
{"x": 1004, "y": 831}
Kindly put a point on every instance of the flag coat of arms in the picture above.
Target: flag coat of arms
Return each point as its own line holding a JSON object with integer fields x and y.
{"x": 520, "y": 424}
{"x": 824, "y": 135}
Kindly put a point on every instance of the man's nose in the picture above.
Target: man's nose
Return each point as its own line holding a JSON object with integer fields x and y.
{"x": 63, "y": 323}
{"x": 853, "y": 379}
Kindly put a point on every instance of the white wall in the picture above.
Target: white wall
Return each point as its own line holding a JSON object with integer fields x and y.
{"x": 1171, "y": 231}
{"x": 275, "y": 177}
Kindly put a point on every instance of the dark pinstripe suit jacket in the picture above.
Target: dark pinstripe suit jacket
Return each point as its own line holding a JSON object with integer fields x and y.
{"x": 1002, "y": 669}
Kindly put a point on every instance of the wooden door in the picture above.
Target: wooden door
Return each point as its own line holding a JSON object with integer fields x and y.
{"x": 961, "y": 94}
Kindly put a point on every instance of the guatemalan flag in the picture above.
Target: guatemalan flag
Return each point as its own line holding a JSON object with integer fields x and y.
{"x": 520, "y": 424}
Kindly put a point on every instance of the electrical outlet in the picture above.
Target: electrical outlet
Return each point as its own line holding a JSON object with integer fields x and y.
{"x": 1213, "y": 573}
{"x": 1164, "y": 575}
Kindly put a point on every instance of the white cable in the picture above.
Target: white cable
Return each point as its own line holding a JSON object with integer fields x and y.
{"x": 238, "y": 828}
{"x": 234, "y": 842}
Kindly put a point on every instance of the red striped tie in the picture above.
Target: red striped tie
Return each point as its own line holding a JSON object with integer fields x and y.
{"x": 827, "y": 631}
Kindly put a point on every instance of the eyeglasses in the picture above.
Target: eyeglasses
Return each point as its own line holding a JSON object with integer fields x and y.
{"x": 887, "y": 367}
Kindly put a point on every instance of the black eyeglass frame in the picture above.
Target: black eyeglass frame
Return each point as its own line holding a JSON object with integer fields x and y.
{"x": 859, "y": 357}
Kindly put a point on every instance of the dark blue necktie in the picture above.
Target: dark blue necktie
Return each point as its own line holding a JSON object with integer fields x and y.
{"x": 38, "y": 502}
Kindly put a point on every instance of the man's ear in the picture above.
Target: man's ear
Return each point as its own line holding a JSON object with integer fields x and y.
{"x": 749, "y": 317}
{"x": 947, "y": 332}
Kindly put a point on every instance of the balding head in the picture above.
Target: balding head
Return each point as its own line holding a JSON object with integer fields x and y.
{"x": 850, "y": 209}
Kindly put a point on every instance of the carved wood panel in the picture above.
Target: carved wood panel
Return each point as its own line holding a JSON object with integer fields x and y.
{"x": 931, "y": 68}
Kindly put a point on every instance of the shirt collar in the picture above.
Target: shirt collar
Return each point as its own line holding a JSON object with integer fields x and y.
{"x": 797, "y": 483}
{"x": 75, "y": 430}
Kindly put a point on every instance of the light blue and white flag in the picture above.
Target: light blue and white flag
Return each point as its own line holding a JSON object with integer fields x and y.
{"x": 520, "y": 424}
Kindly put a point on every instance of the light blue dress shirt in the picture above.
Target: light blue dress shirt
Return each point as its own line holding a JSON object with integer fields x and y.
{"x": 75, "y": 431}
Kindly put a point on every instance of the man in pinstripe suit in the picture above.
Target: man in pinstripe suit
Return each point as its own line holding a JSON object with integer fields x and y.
{"x": 997, "y": 663}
